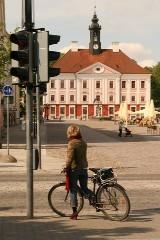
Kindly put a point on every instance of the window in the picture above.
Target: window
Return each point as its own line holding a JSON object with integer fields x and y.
{"x": 71, "y": 83}
{"x": 53, "y": 110}
{"x": 98, "y": 69}
{"x": 84, "y": 98}
{"x": 71, "y": 98}
{"x": 52, "y": 83}
{"x": 72, "y": 110}
{"x": 123, "y": 84}
{"x": 111, "y": 84}
{"x": 142, "y": 84}
{"x": 97, "y": 84}
{"x": 84, "y": 84}
{"x": 62, "y": 110}
{"x": 142, "y": 98}
{"x": 123, "y": 98}
{"x": 111, "y": 98}
{"x": 133, "y": 98}
{"x": 133, "y": 84}
{"x": 62, "y": 98}
{"x": 111, "y": 110}
{"x": 98, "y": 98}
{"x": 62, "y": 84}
{"x": 52, "y": 98}
{"x": 133, "y": 109}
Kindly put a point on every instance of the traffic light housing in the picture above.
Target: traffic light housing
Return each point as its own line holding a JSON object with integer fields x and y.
{"x": 42, "y": 88}
{"x": 46, "y": 57}
{"x": 20, "y": 53}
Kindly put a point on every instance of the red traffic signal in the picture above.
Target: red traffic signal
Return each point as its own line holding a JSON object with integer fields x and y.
{"x": 19, "y": 69}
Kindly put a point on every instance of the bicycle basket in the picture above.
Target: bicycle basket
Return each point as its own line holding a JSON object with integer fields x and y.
{"x": 106, "y": 173}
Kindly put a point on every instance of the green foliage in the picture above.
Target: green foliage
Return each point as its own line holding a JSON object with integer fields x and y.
{"x": 4, "y": 58}
{"x": 155, "y": 85}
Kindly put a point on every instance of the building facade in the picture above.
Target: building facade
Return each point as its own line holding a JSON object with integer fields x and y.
{"x": 93, "y": 82}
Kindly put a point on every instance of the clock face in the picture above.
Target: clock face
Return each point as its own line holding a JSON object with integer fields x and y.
{"x": 95, "y": 46}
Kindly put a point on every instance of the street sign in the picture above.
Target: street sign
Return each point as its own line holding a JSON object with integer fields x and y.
{"x": 7, "y": 90}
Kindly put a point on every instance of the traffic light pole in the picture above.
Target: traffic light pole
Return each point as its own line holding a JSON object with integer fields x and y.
{"x": 38, "y": 123}
{"x": 29, "y": 117}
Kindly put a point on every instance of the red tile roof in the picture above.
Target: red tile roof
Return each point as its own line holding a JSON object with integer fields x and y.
{"x": 73, "y": 62}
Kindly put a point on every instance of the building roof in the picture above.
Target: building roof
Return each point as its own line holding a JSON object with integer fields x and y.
{"x": 74, "y": 61}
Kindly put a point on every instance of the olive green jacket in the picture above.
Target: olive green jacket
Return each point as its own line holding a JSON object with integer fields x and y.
{"x": 76, "y": 154}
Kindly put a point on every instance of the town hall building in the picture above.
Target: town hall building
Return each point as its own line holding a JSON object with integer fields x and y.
{"x": 95, "y": 81}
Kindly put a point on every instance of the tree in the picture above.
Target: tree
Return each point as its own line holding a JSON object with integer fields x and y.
{"x": 155, "y": 85}
{"x": 4, "y": 58}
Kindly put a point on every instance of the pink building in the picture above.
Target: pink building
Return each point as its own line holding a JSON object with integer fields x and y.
{"x": 93, "y": 82}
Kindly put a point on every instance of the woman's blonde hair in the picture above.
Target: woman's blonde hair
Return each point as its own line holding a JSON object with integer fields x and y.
{"x": 73, "y": 131}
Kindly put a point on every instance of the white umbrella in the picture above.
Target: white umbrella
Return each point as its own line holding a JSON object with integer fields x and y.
{"x": 146, "y": 110}
{"x": 124, "y": 113}
{"x": 151, "y": 110}
{"x": 119, "y": 112}
{"x": 142, "y": 111}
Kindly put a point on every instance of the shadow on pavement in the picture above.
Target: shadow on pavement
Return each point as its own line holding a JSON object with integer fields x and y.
{"x": 143, "y": 215}
{"x": 55, "y": 133}
{"x": 41, "y": 228}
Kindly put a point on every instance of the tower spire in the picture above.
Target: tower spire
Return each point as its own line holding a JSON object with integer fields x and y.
{"x": 95, "y": 10}
{"x": 95, "y": 43}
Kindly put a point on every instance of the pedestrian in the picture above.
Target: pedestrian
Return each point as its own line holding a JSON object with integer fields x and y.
{"x": 121, "y": 125}
{"x": 76, "y": 166}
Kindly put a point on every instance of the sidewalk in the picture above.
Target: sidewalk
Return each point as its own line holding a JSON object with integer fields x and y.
{"x": 136, "y": 161}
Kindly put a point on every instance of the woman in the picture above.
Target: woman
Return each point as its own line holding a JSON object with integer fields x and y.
{"x": 76, "y": 166}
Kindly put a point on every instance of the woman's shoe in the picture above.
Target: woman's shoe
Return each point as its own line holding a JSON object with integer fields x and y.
{"x": 74, "y": 216}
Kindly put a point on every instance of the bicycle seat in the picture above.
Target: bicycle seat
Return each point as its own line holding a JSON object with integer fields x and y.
{"x": 95, "y": 170}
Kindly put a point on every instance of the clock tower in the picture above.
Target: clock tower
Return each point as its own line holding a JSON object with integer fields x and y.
{"x": 95, "y": 44}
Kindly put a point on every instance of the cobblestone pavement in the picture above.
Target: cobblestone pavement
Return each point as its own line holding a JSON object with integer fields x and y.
{"x": 135, "y": 161}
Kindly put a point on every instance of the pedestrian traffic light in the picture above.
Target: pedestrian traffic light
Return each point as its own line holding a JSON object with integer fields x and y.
{"x": 46, "y": 57}
{"x": 21, "y": 55}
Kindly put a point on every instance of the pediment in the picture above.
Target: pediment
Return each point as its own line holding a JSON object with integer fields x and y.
{"x": 98, "y": 68}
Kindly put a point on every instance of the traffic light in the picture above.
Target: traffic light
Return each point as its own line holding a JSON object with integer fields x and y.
{"x": 20, "y": 53}
{"x": 46, "y": 57}
{"x": 42, "y": 88}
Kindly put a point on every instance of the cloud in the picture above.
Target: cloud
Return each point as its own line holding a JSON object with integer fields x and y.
{"x": 148, "y": 63}
{"x": 136, "y": 51}
{"x": 129, "y": 22}
{"x": 141, "y": 54}
{"x": 67, "y": 48}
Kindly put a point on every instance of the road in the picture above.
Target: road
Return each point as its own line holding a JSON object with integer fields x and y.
{"x": 135, "y": 161}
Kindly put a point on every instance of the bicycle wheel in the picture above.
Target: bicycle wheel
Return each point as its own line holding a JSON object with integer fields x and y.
{"x": 113, "y": 202}
{"x": 59, "y": 200}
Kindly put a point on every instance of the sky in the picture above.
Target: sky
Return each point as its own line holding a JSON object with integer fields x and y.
{"x": 134, "y": 24}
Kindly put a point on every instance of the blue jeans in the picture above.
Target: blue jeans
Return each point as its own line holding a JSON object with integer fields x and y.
{"x": 80, "y": 175}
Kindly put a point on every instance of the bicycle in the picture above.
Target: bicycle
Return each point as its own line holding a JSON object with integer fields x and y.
{"x": 110, "y": 198}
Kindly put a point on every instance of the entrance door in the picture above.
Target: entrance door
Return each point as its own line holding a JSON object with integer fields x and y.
{"x": 84, "y": 112}
{"x": 72, "y": 112}
{"x": 62, "y": 112}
